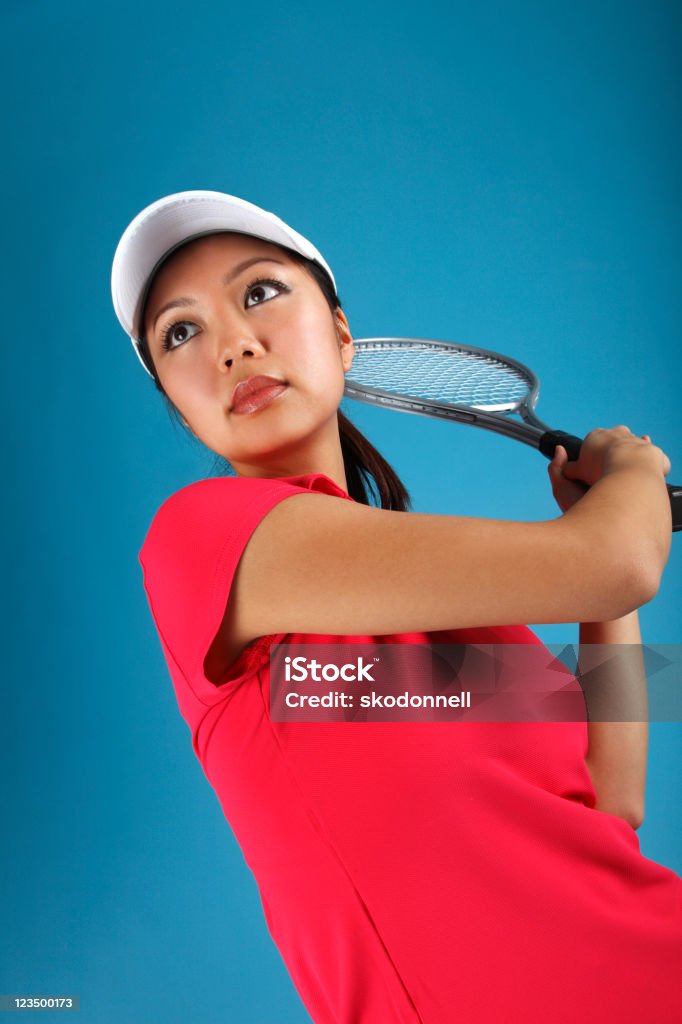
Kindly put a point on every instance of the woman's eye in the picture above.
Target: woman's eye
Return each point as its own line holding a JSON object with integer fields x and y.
{"x": 260, "y": 287}
{"x": 175, "y": 332}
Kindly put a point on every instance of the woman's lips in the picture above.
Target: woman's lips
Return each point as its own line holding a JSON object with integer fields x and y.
{"x": 258, "y": 398}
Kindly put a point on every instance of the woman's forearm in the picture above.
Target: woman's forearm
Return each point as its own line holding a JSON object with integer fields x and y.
{"x": 615, "y": 687}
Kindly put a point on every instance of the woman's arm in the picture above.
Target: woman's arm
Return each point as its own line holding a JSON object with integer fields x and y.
{"x": 617, "y": 750}
{"x": 319, "y": 564}
{"x": 615, "y": 687}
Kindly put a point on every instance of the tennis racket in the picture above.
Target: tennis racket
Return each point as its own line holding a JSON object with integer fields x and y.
{"x": 465, "y": 384}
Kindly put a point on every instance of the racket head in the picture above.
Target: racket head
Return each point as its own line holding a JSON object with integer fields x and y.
{"x": 439, "y": 374}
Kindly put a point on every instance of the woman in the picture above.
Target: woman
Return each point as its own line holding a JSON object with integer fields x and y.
{"x": 408, "y": 871}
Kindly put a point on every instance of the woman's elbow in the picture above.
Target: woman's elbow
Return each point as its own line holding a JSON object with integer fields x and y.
{"x": 638, "y": 585}
{"x": 617, "y": 577}
{"x": 635, "y": 818}
{"x": 633, "y": 815}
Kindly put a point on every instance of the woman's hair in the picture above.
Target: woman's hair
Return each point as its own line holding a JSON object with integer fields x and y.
{"x": 362, "y": 462}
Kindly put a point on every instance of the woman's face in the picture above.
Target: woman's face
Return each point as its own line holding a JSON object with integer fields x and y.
{"x": 226, "y": 324}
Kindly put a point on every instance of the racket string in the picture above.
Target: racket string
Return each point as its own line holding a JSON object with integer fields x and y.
{"x": 441, "y": 374}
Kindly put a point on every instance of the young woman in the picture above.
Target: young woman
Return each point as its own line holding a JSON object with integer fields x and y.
{"x": 409, "y": 872}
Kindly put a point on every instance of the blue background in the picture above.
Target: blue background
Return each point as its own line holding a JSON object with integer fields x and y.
{"x": 505, "y": 175}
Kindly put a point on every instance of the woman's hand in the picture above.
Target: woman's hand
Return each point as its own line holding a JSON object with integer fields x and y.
{"x": 566, "y": 491}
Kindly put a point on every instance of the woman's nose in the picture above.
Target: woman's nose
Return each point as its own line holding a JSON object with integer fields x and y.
{"x": 235, "y": 344}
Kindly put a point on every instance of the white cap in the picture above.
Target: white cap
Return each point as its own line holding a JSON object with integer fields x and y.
{"x": 170, "y": 222}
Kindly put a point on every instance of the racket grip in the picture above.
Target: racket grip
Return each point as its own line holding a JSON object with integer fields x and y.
{"x": 552, "y": 438}
{"x": 572, "y": 444}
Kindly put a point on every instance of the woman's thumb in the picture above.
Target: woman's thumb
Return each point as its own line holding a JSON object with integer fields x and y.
{"x": 559, "y": 455}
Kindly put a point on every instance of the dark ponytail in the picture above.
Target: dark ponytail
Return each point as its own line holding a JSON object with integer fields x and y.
{"x": 363, "y": 464}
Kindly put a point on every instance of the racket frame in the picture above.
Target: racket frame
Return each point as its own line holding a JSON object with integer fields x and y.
{"x": 488, "y": 417}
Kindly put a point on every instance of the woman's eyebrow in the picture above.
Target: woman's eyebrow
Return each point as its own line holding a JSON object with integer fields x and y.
{"x": 227, "y": 279}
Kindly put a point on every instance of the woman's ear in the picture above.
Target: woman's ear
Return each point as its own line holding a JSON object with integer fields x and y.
{"x": 342, "y": 323}
{"x": 345, "y": 339}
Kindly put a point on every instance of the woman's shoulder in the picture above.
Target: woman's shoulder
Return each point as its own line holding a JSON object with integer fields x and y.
{"x": 209, "y": 503}
{"x": 206, "y": 488}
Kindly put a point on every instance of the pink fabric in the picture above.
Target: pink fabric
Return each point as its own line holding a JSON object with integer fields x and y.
{"x": 410, "y": 872}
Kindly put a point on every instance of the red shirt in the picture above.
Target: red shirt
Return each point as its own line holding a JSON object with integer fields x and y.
{"x": 410, "y": 872}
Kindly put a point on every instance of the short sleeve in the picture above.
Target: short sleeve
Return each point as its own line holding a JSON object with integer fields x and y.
{"x": 189, "y": 558}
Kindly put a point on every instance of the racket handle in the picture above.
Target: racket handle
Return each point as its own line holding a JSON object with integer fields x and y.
{"x": 552, "y": 438}
{"x": 572, "y": 444}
